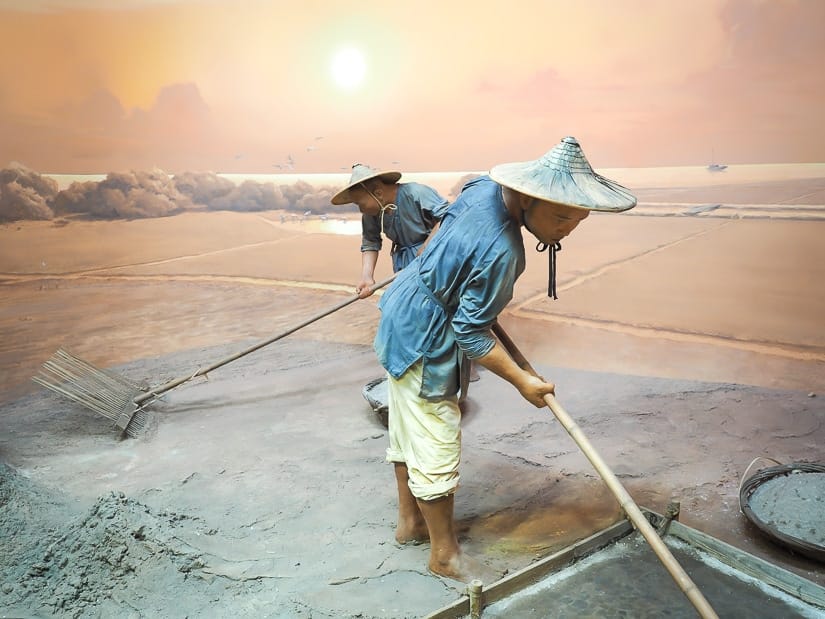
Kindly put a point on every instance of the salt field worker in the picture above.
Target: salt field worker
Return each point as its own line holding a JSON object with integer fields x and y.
{"x": 406, "y": 213}
{"x": 444, "y": 304}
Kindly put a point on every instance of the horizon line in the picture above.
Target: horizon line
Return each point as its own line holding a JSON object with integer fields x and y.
{"x": 344, "y": 173}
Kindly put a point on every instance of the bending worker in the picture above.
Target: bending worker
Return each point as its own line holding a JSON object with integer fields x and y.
{"x": 407, "y": 213}
{"x": 444, "y": 304}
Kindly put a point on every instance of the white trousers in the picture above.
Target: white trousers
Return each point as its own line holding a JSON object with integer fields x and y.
{"x": 424, "y": 435}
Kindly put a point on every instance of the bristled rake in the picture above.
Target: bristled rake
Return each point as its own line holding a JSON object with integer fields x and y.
{"x": 123, "y": 401}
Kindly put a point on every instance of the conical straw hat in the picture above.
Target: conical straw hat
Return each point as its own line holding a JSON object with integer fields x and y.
{"x": 361, "y": 173}
{"x": 564, "y": 176}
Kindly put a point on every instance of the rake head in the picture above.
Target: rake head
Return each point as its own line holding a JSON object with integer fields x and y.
{"x": 101, "y": 391}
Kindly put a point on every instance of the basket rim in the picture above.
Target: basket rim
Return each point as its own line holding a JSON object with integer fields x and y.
{"x": 367, "y": 391}
{"x": 814, "y": 551}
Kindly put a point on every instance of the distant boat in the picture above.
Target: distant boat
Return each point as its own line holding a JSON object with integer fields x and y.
{"x": 715, "y": 167}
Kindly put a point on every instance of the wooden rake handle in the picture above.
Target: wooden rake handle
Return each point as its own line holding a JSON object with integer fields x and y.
{"x": 625, "y": 500}
{"x": 157, "y": 391}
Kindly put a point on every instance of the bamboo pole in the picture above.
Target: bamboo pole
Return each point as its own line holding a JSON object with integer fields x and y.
{"x": 156, "y": 391}
{"x": 132, "y": 420}
{"x": 626, "y": 502}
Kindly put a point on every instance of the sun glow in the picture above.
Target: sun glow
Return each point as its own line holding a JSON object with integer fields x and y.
{"x": 348, "y": 68}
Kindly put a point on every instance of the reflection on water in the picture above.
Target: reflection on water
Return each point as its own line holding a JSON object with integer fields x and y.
{"x": 316, "y": 222}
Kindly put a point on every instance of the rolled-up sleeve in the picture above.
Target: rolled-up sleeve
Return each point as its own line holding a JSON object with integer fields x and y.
{"x": 370, "y": 233}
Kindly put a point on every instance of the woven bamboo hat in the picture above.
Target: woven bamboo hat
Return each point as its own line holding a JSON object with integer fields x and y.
{"x": 564, "y": 176}
{"x": 361, "y": 173}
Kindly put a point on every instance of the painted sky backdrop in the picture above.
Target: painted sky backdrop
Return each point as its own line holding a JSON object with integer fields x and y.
{"x": 249, "y": 86}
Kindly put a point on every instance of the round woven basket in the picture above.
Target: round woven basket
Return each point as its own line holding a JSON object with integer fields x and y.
{"x": 375, "y": 392}
{"x": 803, "y": 547}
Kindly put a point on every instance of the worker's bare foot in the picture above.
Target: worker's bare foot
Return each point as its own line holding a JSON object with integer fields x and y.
{"x": 463, "y": 568}
{"x": 412, "y": 532}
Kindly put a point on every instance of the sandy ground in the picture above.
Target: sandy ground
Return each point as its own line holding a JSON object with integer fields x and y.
{"x": 687, "y": 342}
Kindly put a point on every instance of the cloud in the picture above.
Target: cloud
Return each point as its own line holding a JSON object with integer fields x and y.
{"x": 100, "y": 111}
{"x": 126, "y": 195}
{"x": 189, "y": 85}
{"x": 217, "y": 193}
{"x": 768, "y": 89}
{"x": 179, "y": 111}
{"x": 203, "y": 187}
{"x": 303, "y": 196}
{"x": 756, "y": 96}
{"x": 25, "y": 194}
{"x": 97, "y": 133}
{"x": 28, "y": 195}
{"x": 254, "y": 196}
{"x": 250, "y": 196}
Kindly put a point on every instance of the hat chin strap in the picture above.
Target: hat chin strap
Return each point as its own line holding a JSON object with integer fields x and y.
{"x": 551, "y": 249}
{"x": 383, "y": 207}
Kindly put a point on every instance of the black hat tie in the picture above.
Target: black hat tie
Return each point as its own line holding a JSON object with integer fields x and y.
{"x": 551, "y": 275}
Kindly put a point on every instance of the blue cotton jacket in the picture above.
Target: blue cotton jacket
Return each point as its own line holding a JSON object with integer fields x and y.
{"x": 418, "y": 209}
{"x": 445, "y": 301}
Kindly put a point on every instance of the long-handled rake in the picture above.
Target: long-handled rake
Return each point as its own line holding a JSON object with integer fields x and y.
{"x": 123, "y": 401}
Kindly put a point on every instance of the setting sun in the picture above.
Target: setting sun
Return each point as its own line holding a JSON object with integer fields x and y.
{"x": 348, "y": 68}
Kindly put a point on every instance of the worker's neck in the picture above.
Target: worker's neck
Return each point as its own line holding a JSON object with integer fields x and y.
{"x": 512, "y": 202}
{"x": 390, "y": 192}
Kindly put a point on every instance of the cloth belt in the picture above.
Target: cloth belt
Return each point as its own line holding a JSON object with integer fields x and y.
{"x": 430, "y": 294}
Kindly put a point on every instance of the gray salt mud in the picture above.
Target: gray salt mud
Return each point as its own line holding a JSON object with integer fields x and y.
{"x": 272, "y": 474}
{"x": 118, "y": 556}
{"x": 794, "y": 504}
